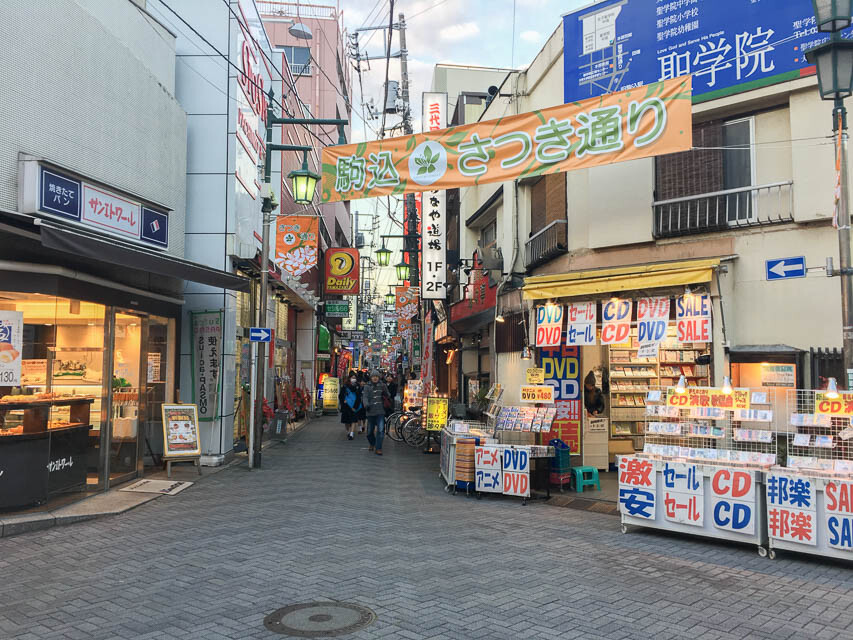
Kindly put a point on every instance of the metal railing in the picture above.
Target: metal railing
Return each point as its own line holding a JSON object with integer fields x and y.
{"x": 294, "y": 10}
{"x": 720, "y": 210}
{"x": 300, "y": 69}
{"x": 546, "y": 244}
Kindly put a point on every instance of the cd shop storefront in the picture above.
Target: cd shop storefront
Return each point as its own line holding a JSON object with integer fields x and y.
{"x": 89, "y": 326}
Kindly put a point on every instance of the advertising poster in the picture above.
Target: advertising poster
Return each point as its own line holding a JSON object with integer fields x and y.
{"x": 581, "y": 323}
{"x": 342, "y": 271}
{"x": 206, "y": 362}
{"x": 697, "y": 397}
{"x": 180, "y": 430}
{"x": 11, "y": 347}
{"x": 693, "y": 317}
{"x": 652, "y": 320}
{"x": 436, "y": 413}
{"x": 615, "y": 321}
{"x": 296, "y": 239}
{"x": 549, "y": 325}
{"x": 614, "y": 128}
{"x": 562, "y": 371}
{"x": 331, "y": 389}
{"x": 630, "y": 43}
{"x": 406, "y": 302}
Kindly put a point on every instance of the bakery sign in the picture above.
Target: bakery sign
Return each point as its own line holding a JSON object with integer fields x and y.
{"x": 54, "y": 193}
{"x": 11, "y": 346}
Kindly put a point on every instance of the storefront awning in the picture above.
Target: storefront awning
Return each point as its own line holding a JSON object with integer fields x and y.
{"x": 113, "y": 251}
{"x": 599, "y": 281}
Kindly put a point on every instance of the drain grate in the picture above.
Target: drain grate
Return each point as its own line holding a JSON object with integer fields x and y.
{"x": 319, "y": 619}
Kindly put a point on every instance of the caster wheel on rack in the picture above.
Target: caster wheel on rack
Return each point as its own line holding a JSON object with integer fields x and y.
{"x": 447, "y": 489}
{"x": 771, "y": 554}
{"x": 763, "y": 552}
{"x": 623, "y": 528}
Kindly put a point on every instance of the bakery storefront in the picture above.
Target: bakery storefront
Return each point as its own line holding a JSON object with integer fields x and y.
{"x": 89, "y": 326}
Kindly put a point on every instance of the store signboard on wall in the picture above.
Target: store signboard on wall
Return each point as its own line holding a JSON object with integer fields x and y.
{"x": 434, "y": 209}
{"x": 631, "y": 43}
{"x": 54, "y": 193}
{"x": 206, "y": 362}
{"x": 562, "y": 371}
{"x": 614, "y": 128}
{"x": 778, "y": 375}
{"x": 11, "y": 347}
{"x": 342, "y": 271}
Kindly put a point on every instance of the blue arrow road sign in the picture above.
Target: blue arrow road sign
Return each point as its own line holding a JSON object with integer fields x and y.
{"x": 785, "y": 268}
{"x": 257, "y": 334}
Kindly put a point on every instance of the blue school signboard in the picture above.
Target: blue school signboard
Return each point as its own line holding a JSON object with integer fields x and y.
{"x": 728, "y": 45}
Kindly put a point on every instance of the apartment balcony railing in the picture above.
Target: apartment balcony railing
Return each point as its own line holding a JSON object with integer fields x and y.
{"x": 546, "y": 244}
{"x": 300, "y": 69}
{"x": 721, "y": 210}
{"x": 294, "y": 10}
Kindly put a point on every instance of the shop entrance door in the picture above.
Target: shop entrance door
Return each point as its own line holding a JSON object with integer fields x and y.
{"x": 127, "y": 396}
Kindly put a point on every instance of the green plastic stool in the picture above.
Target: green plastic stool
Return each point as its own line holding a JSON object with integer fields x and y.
{"x": 582, "y": 481}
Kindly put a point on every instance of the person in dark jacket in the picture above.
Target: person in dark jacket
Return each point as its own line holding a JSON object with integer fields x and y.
{"x": 593, "y": 398}
{"x": 351, "y": 404}
{"x": 374, "y": 394}
{"x": 392, "y": 392}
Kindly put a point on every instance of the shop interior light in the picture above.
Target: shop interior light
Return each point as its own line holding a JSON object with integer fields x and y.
{"x": 526, "y": 353}
{"x": 499, "y": 317}
{"x": 832, "y": 389}
{"x": 681, "y": 387}
{"x": 727, "y": 386}
{"x": 450, "y": 355}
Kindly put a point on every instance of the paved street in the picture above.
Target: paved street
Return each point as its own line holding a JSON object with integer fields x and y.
{"x": 325, "y": 520}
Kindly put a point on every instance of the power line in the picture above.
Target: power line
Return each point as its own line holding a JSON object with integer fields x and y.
{"x": 387, "y": 67}
{"x": 440, "y": 2}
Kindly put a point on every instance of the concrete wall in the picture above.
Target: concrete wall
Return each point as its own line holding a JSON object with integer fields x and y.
{"x": 87, "y": 85}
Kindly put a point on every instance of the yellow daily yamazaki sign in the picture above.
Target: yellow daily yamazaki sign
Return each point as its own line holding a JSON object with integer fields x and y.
{"x": 651, "y": 120}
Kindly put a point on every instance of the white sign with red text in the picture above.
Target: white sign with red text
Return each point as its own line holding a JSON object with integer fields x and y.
{"x": 111, "y": 212}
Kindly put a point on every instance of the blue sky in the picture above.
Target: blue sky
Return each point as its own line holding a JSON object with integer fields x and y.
{"x": 475, "y": 32}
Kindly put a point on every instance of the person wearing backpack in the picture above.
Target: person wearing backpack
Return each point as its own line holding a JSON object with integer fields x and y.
{"x": 375, "y": 393}
{"x": 351, "y": 405}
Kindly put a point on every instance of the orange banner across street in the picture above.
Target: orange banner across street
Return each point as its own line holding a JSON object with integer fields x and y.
{"x": 647, "y": 121}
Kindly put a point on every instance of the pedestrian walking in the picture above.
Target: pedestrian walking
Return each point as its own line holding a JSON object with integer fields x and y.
{"x": 351, "y": 404}
{"x": 361, "y": 416}
{"x": 390, "y": 401}
{"x": 375, "y": 393}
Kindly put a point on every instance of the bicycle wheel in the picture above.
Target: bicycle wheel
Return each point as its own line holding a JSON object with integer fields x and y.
{"x": 398, "y": 425}
{"x": 413, "y": 432}
{"x": 392, "y": 429}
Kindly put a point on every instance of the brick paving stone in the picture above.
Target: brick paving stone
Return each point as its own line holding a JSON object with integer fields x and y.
{"x": 323, "y": 520}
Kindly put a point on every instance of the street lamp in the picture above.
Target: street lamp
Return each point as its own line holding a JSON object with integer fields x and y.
{"x": 834, "y": 62}
{"x": 402, "y": 271}
{"x": 383, "y": 255}
{"x": 369, "y": 321}
{"x": 390, "y": 298}
{"x": 832, "y": 15}
{"x": 304, "y": 182}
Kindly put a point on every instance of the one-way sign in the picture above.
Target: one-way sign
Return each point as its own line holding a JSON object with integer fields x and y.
{"x": 257, "y": 334}
{"x": 785, "y": 268}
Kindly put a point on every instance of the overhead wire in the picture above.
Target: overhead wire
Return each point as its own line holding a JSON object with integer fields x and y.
{"x": 387, "y": 66}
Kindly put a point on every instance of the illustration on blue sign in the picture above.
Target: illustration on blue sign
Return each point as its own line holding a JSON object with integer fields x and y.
{"x": 621, "y": 44}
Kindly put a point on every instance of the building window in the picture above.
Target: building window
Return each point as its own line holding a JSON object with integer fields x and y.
{"x": 299, "y": 59}
{"x": 738, "y": 168}
{"x": 489, "y": 234}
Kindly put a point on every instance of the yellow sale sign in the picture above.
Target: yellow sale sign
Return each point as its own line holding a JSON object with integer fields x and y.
{"x": 651, "y": 120}
{"x": 538, "y": 393}
{"x": 436, "y": 413}
{"x": 839, "y": 406}
{"x": 535, "y": 375}
{"x": 695, "y": 397}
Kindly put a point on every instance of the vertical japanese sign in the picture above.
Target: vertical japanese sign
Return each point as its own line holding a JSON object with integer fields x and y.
{"x": 791, "y": 508}
{"x": 693, "y": 317}
{"x": 434, "y": 209}
{"x": 615, "y": 321}
{"x": 562, "y": 371}
{"x": 350, "y": 322}
{"x": 11, "y": 347}
{"x": 637, "y": 487}
{"x": 488, "y": 463}
{"x": 206, "y": 362}
{"x": 683, "y": 493}
{"x": 296, "y": 242}
{"x": 342, "y": 271}
{"x": 621, "y": 126}
{"x": 581, "y": 323}
{"x": 549, "y": 325}
{"x": 331, "y": 388}
{"x": 436, "y": 413}
{"x": 406, "y": 302}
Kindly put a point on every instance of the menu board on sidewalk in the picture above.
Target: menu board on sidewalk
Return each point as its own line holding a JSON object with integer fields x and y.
{"x": 180, "y": 431}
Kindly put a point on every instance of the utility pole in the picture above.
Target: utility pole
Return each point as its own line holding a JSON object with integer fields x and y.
{"x": 840, "y": 122}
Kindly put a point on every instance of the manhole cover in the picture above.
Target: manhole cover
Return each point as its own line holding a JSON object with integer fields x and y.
{"x": 319, "y": 619}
